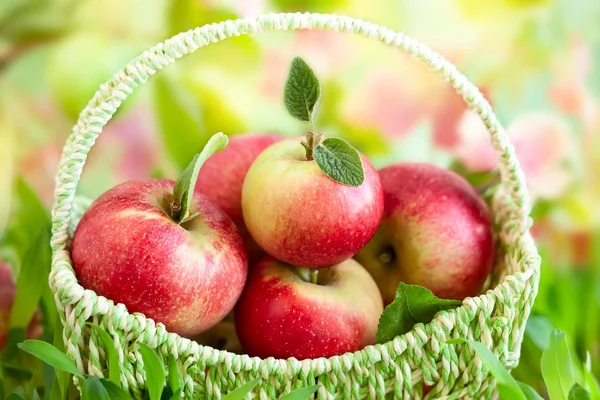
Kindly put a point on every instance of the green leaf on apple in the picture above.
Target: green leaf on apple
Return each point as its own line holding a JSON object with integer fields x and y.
{"x": 186, "y": 183}
{"x": 114, "y": 368}
{"x": 94, "y": 390}
{"x": 557, "y": 366}
{"x": 241, "y": 392}
{"x": 412, "y": 304}
{"x": 340, "y": 161}
{"x": 578, "y": 393}
{"x": 155, "y": 371}
{"x": 302, "y": 91}
{"x": 300, "y": 394}
{"x": 50, "y": 355}
{"x": 508, "y": 387}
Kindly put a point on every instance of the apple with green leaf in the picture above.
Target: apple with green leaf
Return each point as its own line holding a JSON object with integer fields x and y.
{"x": 222, "y": 176}
{"x": 160, "y": 249}
{"x": 282, "y": 313}
{"x": 436, "y": 232}
{"x": 311, "y": 201}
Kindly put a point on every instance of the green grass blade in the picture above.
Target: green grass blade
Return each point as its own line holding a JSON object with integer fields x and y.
{"x": 50, "y": 355}
{"x": 115, "y": 392}
{"x": 32, "y": 280}
{"x": 94, "y": 390}
{"x": 557, "y": 367}
{"x": 301, "y": 394}
{"x": 155, "y": 371}
{"x": 495, "y": 367}
{"x": 114, "y": 367}
{"x": 174, "y": 379}
{"x": 241, "y": 392}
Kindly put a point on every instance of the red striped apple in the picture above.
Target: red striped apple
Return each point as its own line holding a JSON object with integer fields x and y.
{"x": 436, "y": 232}
{"x": 222, "y": 176}
{"x": 187, "y": 275}
{"x": 282, "y": 314}
{"x": 300, "y": 215}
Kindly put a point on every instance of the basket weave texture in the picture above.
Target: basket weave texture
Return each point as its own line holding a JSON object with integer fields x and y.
{"x": 394, "y": 370}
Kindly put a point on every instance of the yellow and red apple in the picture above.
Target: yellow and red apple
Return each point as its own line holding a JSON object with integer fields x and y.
{"x": 436, "y": 232}
{"x": 301, "y": 216}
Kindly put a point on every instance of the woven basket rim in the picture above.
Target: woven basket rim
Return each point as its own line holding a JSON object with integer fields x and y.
{"x": 62, "y": 276}
{"x": 518, "y": 278}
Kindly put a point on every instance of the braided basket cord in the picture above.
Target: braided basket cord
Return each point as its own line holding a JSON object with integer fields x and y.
{"x": 392, "y": 370}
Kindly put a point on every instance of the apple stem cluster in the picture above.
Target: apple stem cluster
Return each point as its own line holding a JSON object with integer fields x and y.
{"x": 311, "y": 141}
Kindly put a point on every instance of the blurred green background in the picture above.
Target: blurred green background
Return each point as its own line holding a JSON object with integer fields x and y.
{"x": 537, "y": 61}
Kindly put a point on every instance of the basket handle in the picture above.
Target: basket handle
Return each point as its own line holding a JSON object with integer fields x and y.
{"x": 111, "y": 94}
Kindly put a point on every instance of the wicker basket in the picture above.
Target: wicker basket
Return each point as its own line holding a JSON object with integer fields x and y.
{"x": 394, "y": 370}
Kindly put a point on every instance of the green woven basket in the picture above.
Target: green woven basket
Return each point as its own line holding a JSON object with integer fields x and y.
{"x": 394, "y": 370}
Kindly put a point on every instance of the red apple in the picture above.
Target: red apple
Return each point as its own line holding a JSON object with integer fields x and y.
{"x": 436, "y": 232}
{"x": 187, "y": 276}
{"x": 281, "y": 314}
{"x": 303, "y": 217}
{"x": 8, "y": 290}
{"x": 222, "y": 176}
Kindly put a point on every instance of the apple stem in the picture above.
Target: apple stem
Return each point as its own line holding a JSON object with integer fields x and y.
{"x": 175, "y": 210}
{"x": 314, "y": 275}
{"x": 386, "y": 257}
{"x": 312, "y": 140}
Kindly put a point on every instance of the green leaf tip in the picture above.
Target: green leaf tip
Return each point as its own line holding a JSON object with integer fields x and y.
{"x": 302, "y": 91}
{"x": 412, "y": 304}
{"x": 50, "y": 355}
{"x": 94, "y": 390}
{"x": 578, "y": 393}
{"x": 114, "y": 367}
{"x": 557, "y": 366}
{"x": 340, "y": 161}
{"x": 242, "y": 392}
{"x": 508, "y": 387}
{"x": 302, "y": 393}
{"x": 155, "y": 371}
{"x": 175, "y": 381}
{"x": 183, "y": 192}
